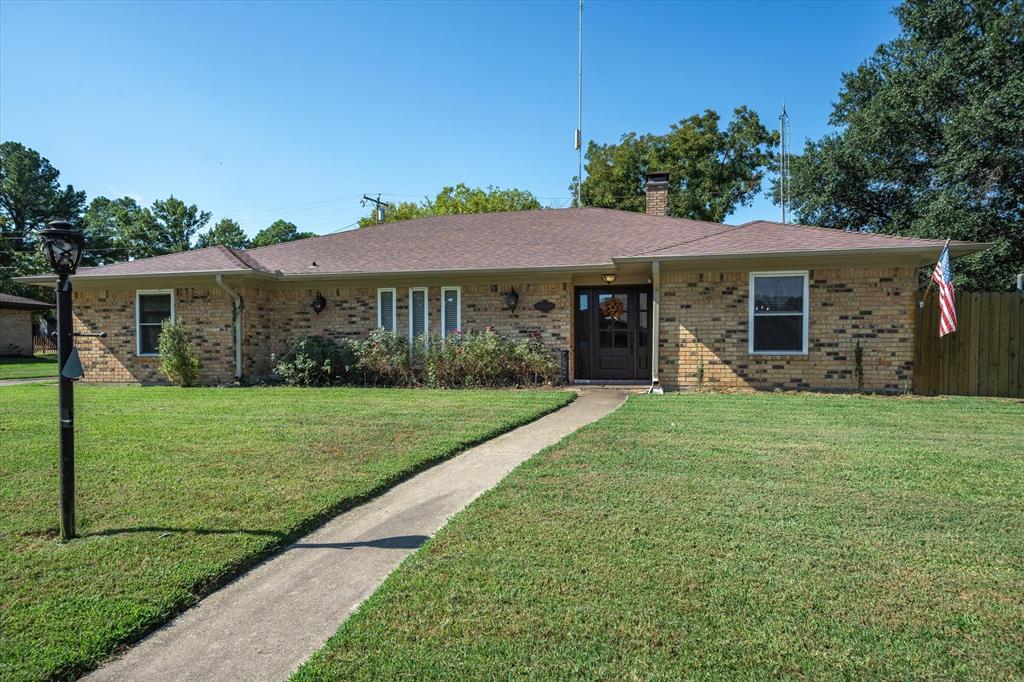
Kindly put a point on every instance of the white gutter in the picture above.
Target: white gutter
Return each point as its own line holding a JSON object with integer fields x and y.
{"x": 238, "y": 323}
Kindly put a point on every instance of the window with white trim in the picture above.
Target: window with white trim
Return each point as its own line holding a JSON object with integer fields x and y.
{"x": 151, "y": 309}
{"x": 778, "y": 313}
{"x": 451, "y": 310}
{"x": 386, "y": 318}
{"x": 419, "y": 319}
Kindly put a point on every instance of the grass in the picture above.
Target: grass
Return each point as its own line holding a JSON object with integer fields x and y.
{"x": 28, "y": 367}
{"x": 181, "y": 489}
{"x": 725, "y": 537}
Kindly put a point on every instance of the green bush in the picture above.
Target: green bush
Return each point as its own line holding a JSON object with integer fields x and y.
{"x": 316, "y": 361}
{"x": 470, "y": 360}
{"x": 485, "y": 359}
{"x": 383, "y": 360}
{"x": 179, "y": 361}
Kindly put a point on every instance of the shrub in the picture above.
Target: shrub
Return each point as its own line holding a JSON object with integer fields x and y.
{"x": 383, "y": 359}
{"x": 179, "y": 361}
{"x": 479, "y": 359}
{"x": 316, "y": 361}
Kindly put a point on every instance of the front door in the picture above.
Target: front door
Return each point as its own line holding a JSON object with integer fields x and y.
{"x": 613, "y": 340}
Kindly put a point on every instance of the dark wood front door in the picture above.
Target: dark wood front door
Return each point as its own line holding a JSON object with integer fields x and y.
{"x": 613, "y": 333}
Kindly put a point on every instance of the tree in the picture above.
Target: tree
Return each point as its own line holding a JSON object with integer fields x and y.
{"x": 109, "y": 225}
{"x": 30, "y": 196}
{"x": 711, "y": 171}
{"x": 930, "y": 139}
{"x": 227, "y": 233}
{"x": 459, "y": 199}
{"x": 278, "y": 232}
{"x": 167, "y": 227}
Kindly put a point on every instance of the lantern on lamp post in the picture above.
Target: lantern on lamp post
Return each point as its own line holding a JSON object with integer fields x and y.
{"x": 62, "y": 245}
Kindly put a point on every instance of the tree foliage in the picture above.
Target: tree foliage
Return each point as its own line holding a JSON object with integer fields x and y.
{"x": 278, "y": 232}
{"x": 226, "y": 232}
{"x": 930, "y": 139}
{"x": 711, "y": 170}
{"x": 31, "y": 195}
{"x": 457, "y": 199}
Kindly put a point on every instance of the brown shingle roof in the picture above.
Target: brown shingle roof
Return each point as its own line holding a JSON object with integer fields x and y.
{"x": 525, "y": 240}
{"x": 22, "y": 303}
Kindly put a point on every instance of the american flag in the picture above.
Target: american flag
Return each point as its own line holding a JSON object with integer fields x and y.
{"x": 943, "y": 277}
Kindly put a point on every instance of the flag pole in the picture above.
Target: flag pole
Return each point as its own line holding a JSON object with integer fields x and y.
{"x": 930, "y": 280}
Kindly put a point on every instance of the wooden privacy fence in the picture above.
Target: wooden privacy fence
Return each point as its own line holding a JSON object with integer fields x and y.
{"x": 982, "y": 357}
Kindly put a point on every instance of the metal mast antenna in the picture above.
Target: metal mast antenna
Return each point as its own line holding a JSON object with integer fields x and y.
{"x": 785, "y": 185}
{"x": 381, "y": 205}
{"x": 579, "y": 122}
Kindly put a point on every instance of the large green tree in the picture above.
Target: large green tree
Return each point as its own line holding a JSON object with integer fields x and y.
{"x": 174, "y": 223}
{"x": 711, "y": 170}
{"x": 930, "y": 139}
{"x": 31, "y": 195}
{"x": 458, "y": 199}
{"x": 278, "y": 232}
{"x": 226, "y": 232}
{"x": 110, "y": 225}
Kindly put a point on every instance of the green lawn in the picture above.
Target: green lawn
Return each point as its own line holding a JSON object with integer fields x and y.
{"x": 725, "y": 536}
{"x": 179, "y": 489}
{"x": 18, "y": 367}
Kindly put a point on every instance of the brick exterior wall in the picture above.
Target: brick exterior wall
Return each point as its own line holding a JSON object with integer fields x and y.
{"x": 705, "y": 316}
{"x": 15, "y": 332}
{"x": 272, "y": 320}
{"x": 206, "y": 311}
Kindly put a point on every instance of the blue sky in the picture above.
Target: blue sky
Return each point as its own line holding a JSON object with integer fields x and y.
{"x": 263, "y": 111}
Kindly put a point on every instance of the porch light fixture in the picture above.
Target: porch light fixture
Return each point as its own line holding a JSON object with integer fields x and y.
{"x": 512, "y": 300}
{"x": 62, "y": 245}
{"x": 608, "y": 277}
{"x": 319, "y": 303}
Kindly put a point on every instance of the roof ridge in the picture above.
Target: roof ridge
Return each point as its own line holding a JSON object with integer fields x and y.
{"x": 837, "y": 229}
{"x": 243, "y": 258}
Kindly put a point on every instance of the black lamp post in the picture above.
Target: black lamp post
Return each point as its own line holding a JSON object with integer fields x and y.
{"x": 63, "y": 245}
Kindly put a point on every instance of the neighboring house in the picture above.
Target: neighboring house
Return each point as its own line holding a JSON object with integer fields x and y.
{"x": 16, "y": 323}
{"x": 760, "y": 305}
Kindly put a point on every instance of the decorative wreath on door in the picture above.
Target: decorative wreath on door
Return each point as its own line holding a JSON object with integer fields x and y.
{"x": 613, "y": 308}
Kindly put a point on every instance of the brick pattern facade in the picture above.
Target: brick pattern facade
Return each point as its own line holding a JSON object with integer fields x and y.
{"x": 272, "y": 320}
{"x": 15, "y": 332}
{"x": 656, "y": 202}
{"x": 704, "y": 319}
{"x": 206, "y": 311}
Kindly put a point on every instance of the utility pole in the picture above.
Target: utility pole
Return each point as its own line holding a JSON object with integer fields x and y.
{"x": 381, "y": 206}
{"x": 579, "y": 122}
{"x": 784, "y": 154}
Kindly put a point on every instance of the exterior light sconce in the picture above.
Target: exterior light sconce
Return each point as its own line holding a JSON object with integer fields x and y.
{"x": 319, "y": 303}
{"x": 512, "y": 300}
{"x": 608, "y": 277}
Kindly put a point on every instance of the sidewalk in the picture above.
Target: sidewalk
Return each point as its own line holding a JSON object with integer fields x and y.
{"x": 265, "y": 624}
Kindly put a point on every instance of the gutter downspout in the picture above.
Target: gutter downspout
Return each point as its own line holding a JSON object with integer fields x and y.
{"x": 655, "y": 325}
{"x": 238, "y": 323}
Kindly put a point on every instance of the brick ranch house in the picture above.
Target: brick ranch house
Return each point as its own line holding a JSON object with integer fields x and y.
{"x": 637, "y": 297}
{"x": 16, "y": 323}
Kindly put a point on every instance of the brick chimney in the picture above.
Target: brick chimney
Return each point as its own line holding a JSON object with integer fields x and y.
{"x": 657, "y": 194}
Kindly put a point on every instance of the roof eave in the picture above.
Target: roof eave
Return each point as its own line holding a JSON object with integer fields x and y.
{"x": 49, "y": 279}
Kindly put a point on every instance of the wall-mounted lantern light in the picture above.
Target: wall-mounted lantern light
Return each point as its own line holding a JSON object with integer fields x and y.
{"x": 319, "y": 303}
{"x": 62, "y": 245}
{"x": 512, "y": 300}
{"x": 608, "y": 277}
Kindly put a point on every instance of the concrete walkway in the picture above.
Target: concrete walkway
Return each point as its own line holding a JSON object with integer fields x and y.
{"x": 32, "y": 380}
{"x": 265, "y": 624}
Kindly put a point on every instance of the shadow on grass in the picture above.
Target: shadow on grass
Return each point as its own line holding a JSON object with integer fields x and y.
{"x": 196, "y": 531}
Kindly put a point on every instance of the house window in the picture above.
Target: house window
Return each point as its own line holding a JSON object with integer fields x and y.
{"x": 418, "y": 318}
{"x": 778, "y": 313}
{"x": 451, "y": 310}
{"x": 386, "y": 310}
{"x": 151, "y": 309}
